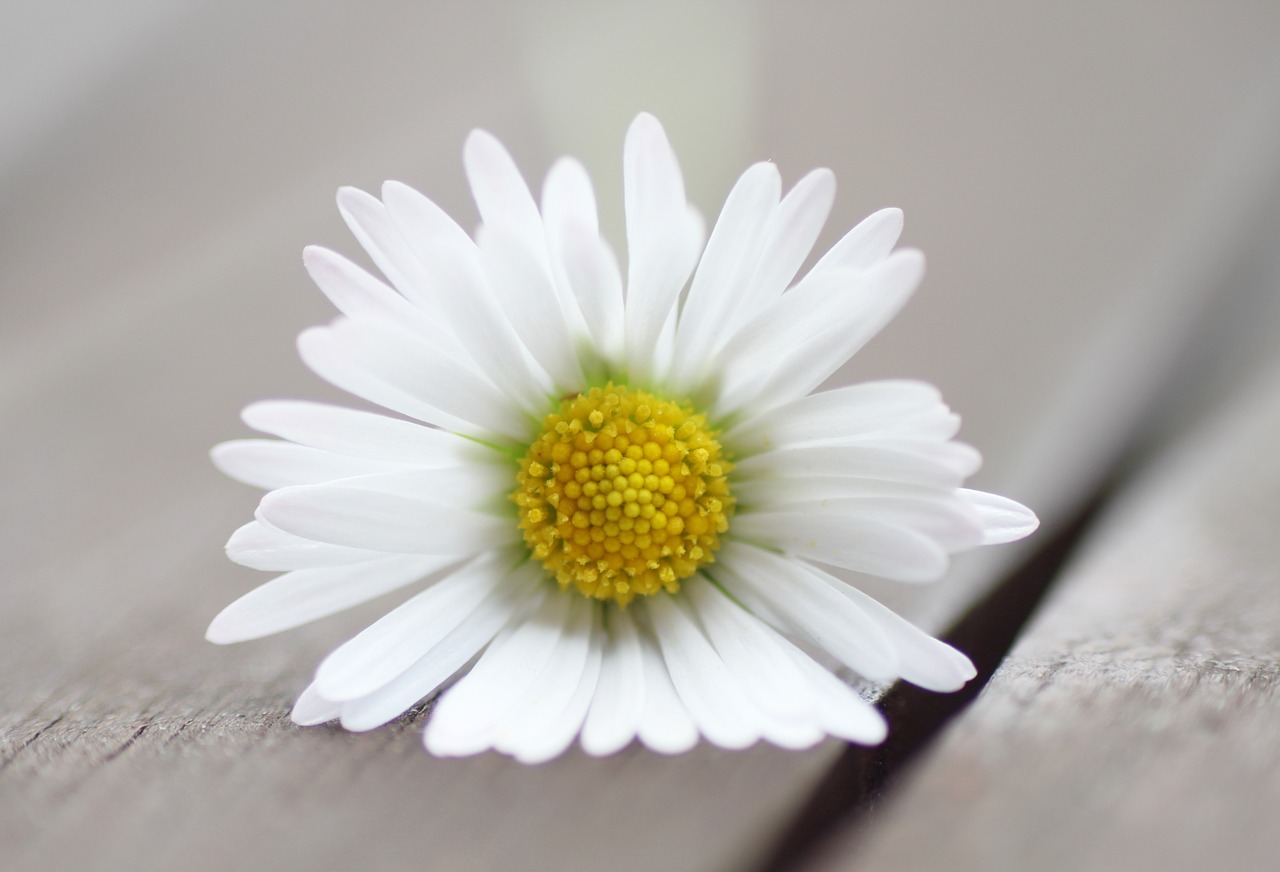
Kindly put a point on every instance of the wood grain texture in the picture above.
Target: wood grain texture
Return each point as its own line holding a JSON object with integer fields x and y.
{"x": 1136, "y": 725}
{"x": 231, "y": 786}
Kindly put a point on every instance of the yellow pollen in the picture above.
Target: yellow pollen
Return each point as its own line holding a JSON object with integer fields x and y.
{"x": 623, "y": 494}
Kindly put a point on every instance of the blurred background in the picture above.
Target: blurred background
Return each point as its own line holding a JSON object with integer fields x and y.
{"x": 1096, "y": 186}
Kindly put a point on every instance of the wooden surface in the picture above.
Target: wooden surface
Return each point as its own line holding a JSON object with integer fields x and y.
{"x": 1136, "y": 725}
{"x": 164, "y": 164}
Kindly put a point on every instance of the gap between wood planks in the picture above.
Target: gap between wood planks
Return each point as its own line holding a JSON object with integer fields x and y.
{"x": 862, "y": 777}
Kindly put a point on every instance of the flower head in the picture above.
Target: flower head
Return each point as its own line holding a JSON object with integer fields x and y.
{"x": 615, "y": 506}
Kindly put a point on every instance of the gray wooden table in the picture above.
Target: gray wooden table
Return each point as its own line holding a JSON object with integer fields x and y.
{"x": 1099, "y": 195}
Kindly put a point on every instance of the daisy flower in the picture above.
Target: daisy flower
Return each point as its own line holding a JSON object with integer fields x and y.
{"x": 617, "y": 495}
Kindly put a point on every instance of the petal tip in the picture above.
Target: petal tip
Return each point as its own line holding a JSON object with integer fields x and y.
{"x": 218, "y": 455}
{"x": 392, "y": 188}
{"x": 479, "y": 144}
{"x": 349, "y": 195}
{"x": 221, "y": 631}
{"x": 645, "y": 119}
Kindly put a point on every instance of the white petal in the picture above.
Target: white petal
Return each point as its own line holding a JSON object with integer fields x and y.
{"x": 462, "y": 299}
{"x": 436, "y": 379}
{"x": 810, "y": 607}
{"x": 396, "y": 641}
{"x": 945, "y": 464}
{"x": 261, "y": 546}
{"x": 500, "y": 191}
{"x": 704, "y": 683}
{"x": 664, "y": 350}
{"x": 837, "y": 708}
{"x": 940, "y": 515}
{"x": 357, "y": 294}
{"x": 312, "y": 709}
{"x": 591, "y": 270}
{"x": 868, "y": 306}
{"x": 789, "y": 734}
{"x": 842, "y": 712}
{"x": 329, "y": 357}
{"x": 363, "y": 434}
{"x": 665, "y": 724}
{"x": 569, "y": 209}
{"x": 877, "y": 408}
{"x": 418, "y": 218}
{"x": 559, "y": 735}
{"x": 532, "y": 729}
{"x": 650, "y": 351}
{"x": 1003, "y": 520}
{"x": 619, "y": 701}
{"x": 753, "y": 652}
{"x": 269, "y": 464}
{"x": 850, "y": 297}
{"x": 438, "y": 665}
{"x": 343, "y": 514}
{"x": 369, "y": 222}
{"x": 792, "y": 231}
{"x": 725, "y": 268}
{"x": 750, "y": 347}
{"x": 469, "y": 486}
{"x": 524, "y": 288}
{"x": 306, "y": 595}
{"x": 567, "y": 196}
{"x": 860, "y": 544}
{"x": 466, "y": 714}
{"x": 866, "y": 244}
{"x": 662, "y": 240}
{"x": 765, "y": 494}
{"x": 922, "y": 660}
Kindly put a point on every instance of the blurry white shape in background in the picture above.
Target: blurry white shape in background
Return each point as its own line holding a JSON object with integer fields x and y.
{"x": 592, "y": 66}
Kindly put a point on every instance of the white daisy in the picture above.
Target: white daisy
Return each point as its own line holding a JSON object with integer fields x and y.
{"x": 617, "y": 505}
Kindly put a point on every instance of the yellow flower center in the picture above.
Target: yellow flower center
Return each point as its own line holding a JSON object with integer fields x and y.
{"x": 623, "y": 494}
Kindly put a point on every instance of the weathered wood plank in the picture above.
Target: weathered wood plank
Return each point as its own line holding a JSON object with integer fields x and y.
{"x": 204, "y": 792}
{"x": 1136, "y": 725}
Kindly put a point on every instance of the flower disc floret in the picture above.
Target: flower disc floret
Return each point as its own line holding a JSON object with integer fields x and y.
{"x": 623, "y": 494}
